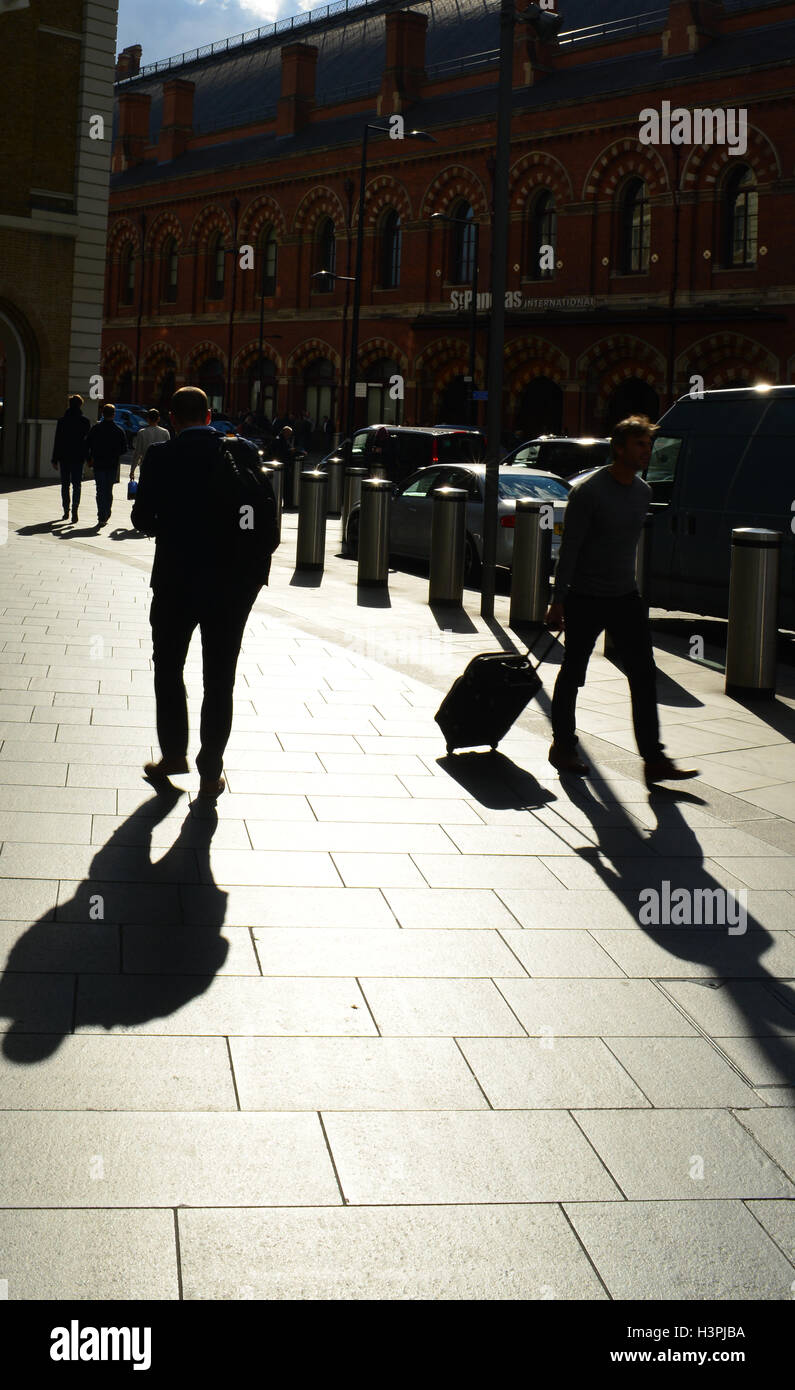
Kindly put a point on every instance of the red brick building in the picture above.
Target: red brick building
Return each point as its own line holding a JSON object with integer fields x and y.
{"x": 668, "y": 260}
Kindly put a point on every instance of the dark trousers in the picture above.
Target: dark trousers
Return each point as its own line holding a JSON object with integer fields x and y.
{"x": 105, "y": 478}
{"x": 221, "y": 618}
{"x": 626, "y": 619}
{"x": 71, "y": 473}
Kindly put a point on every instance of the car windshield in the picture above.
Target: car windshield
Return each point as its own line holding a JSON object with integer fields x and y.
{"x": 519, "y": 485}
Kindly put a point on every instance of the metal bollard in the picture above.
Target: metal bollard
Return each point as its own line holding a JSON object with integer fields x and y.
{"x": 334, "y": 469}
{"x": 448, "y": 536}
{"x": 374, "y": 532}
{"x": 532, "y": 552}
{"x": 298, "y": 463}
{"x": 350, "y": 497}
{"x": 642, "y": 572}
{"x": 311, "y": 545}
{"x": 752, "y": 635}
{"x": 275, "y": 472}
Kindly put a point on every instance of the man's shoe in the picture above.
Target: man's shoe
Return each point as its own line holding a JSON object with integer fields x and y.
{"x": 165, "y": 768}
{"x": 65, "y": 516}
{"x": 663, "y": 770}
{"x": 74, "y": 516}
{"x": 210, "y": 788}
{"x": 568, "y": 762}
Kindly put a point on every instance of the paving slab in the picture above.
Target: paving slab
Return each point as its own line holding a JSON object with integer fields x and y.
{"x": 518, "y": 1252}
{"x": 773, "y": 1132}
{"x": 594, "y": 1008}
{"x": 83, "y": 1073}
{"x": 778, "y": 1219}
{"x": 460, "y": 1156}
{"x": 691, "y": 1155}
{"x": 329, "y": 1074}
{"x": 550, "y": 1073}
{"x": 89, "y": 1255}
{"x": 682, "y": 1072}
{"x": 439, "y": 1008}
{"x": 694, "y": 1251}
{"x": 388, "y": 952}
{"x": 142, "y": 1160}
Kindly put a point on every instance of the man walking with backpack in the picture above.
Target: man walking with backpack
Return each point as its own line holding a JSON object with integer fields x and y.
{"x": 214, "y": 522}
{"x": 69, "y": 453}
{"x": 106, "y": 444}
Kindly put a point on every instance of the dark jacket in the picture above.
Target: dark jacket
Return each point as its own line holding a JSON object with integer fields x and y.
{"x": 106, "y": 444}
{"x": 70, "y": 438}
{"x": 182, "y": 502}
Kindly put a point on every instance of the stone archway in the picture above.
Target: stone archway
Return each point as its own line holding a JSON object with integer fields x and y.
{"x": 17, "y": 351}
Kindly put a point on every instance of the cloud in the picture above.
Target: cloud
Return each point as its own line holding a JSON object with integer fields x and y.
{"x": 166, "y": 30}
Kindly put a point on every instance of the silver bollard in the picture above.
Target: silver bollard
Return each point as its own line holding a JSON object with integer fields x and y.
{"x": 374, "y": 532}
{"x": 752, "y": 635}
{"x": 532, "y": 558}
{"x": 311, "y": 545}
{"x": 448, "y": 537}
{"x": 350, "y": 497}
{"x": 275, "y": 472}
{"x": 334, "y": 469}
{"x": 642, "y": 572}
{"x": 298, "y": 463}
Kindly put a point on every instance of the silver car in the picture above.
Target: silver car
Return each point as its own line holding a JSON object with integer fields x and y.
{"x": 412, "y": 509}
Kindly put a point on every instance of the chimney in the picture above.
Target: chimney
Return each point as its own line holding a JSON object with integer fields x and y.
{"x": 535, "y": 44}
{"x": 297, "y": 100}
{"x": 176, "y": 127}
{"x": 133, "y": 131}
{"x": 128, "y": 62}
{"x": 404, "y": 71}
{"x": 692, "y": 24}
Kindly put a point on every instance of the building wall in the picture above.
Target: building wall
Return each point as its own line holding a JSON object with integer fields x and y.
{"x": 53, "y": 214}
{"x": 730, "y": 323}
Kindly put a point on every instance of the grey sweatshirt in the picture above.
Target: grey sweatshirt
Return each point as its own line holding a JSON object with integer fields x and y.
{"x": 604, "y": 519}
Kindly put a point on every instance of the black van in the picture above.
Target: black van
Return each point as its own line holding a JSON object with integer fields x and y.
{"x": 725, "y": 459}
{"x": 399, "y": 450}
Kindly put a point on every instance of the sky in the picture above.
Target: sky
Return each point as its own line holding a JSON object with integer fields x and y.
{"x": 165, "y": 28}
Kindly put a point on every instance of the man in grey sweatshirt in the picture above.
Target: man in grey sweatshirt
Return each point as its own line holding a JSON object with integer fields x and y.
{"x": 595, "y": 590}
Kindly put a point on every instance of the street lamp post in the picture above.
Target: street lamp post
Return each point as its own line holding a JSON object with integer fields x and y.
{"x": 140, "y": 304}
{"x": 473, "y": 321}
{"x": 357, "y": 289}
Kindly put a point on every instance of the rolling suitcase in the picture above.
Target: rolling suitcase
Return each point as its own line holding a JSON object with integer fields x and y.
{"x": 483, "y": 704}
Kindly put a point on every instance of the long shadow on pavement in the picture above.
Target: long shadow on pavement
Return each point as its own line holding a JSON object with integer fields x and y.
{"x": 130, "y": 891}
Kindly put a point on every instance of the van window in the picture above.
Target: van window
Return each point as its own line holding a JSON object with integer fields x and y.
{"x": 711, "y": 462}
{"x": 661, "y": 471}
{"x": 358, "y": 447}
{"x": 414, "y": 451}
{"x": 713, "y": 416}
{"x": 460, "y": 448}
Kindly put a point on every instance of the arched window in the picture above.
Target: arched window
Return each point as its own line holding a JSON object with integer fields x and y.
{"x": 740, "y": 204}
{"x": 635, "y": 228}
{"x": 391, "y": 238}
{"x": 319, "y": 390}
{"x": 326, "y": 254}
{"x": 170, "y": 271}
{"x": 216, "y": 267}
{"x": 542, "y": 233}
{"x": 127, "y": 281}
{"x": 464, "y": 234}
{"x": 268, "y": 253}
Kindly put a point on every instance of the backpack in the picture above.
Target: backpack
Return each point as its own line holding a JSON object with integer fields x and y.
{"x": 249, "y": 504}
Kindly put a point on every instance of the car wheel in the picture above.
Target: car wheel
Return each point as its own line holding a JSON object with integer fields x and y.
{"x": 472, "y": 564}
{"x": 352, "y": 536}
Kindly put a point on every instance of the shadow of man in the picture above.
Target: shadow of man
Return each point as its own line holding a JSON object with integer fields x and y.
{"x": 141, "y": 905}
{"x": 666, "y": 891}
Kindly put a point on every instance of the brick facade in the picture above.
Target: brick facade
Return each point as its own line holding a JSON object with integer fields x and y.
{"x": 625, "y": 338}
{"x": 53, "y": 215}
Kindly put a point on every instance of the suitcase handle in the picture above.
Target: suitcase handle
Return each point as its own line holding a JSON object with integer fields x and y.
{"x": 531, "y": 649}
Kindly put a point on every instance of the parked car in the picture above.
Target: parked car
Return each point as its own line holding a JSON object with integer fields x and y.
{"x": 129, "y": 421}
{"x": 412, "y": 508}
{"x": 407, "y": 448}
{"x": 560, "y": 454}
{"x": 718, "y": 462}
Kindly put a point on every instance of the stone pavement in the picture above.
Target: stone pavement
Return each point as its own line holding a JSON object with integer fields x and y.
{"x": 386, "y": 1025}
